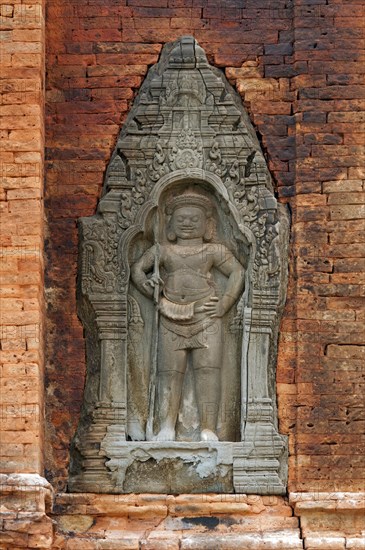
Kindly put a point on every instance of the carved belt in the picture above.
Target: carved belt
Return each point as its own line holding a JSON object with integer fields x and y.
{"x": 176, "y": 312}
{"x": 187, "y": 330}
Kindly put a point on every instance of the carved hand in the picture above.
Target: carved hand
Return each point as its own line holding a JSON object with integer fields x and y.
{"x": 214, "y": 307}
{"x": 150, "y": 284}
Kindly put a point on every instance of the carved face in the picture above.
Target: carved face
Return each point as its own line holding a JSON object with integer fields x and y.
{"x": 188, "y": 222}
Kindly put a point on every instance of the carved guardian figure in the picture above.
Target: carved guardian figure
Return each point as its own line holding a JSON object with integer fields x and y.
{"x": 191, "y": 310}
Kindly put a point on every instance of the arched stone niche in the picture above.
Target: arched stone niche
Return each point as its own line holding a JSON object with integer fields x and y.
{"x": 187, "y": 155}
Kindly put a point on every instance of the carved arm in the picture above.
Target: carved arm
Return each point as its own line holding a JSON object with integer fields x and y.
{"x": 139, "y": 272}
{"x": 235, "y": 284}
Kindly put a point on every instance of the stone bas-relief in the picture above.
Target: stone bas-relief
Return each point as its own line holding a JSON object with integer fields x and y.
{"x": 184, "y": 280}
{"x": 190, "y": 312}
{"x": 181, "y": 285}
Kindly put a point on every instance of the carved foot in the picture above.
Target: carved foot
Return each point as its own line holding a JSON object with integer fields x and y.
{"x": 165, "y": 434}
{"x": 208, "y": 435}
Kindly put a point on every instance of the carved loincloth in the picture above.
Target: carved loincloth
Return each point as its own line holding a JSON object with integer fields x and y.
{"x": 188, "y": 329}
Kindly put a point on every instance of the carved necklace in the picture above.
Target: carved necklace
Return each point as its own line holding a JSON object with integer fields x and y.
{"x": 189, "y": 250}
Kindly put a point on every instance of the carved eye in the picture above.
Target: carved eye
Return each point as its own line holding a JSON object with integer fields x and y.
{"x": 195, "y": 218}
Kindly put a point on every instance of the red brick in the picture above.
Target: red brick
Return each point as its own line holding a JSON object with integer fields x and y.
{"x": 22, "y": 306}
{"x": 97, "y": 57}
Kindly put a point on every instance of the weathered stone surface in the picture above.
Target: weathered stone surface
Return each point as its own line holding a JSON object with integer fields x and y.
{"x": 285, "y": 540}
{"x": 328, "y": 520}
{"x": 179, "y": 467}
{"x": 355, "y": 543}
{"x": 324, "y": 542}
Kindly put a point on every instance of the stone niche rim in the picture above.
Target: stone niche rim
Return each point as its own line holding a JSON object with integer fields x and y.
{"x": 181, "y": 177}
{"x": 220, "y": 141}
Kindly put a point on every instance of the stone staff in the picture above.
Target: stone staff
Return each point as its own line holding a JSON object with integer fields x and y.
{"x": 156, "y": 296}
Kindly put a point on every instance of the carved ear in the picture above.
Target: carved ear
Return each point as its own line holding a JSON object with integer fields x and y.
{"x": 209, "y": 229}
{"x": 171, "y": 235}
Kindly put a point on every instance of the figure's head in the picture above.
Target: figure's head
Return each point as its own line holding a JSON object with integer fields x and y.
{"x": 190, "y": 217}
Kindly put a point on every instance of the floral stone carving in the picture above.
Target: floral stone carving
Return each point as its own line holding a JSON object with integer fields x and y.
{"x": 182, "y": 280}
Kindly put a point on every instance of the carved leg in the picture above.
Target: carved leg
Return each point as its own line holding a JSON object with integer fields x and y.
{"x": 169, "y": 388}
{"x": 207, "y": 382}
{"x": 207, "y": 374}
{"x": 170, "y": 378}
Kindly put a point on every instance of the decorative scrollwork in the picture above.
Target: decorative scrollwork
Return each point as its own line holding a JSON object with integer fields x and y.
{"x": 126, "y": 213}
{"x": 96, "y": 274}
{"x": 132, "y": 199}
{"x": 158, "y": 167}
{"x": 215, "y": 163}
{"x": 186, "y": 85}
{"x": 187, "y": 152}
{"x": 268, "y": 259}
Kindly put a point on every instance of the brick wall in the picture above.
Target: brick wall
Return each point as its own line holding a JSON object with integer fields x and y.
{"x": 297, "y": 66}
{"x": 21, "y": 235}
{"x": 97, "y": 59}
{"x": 324, "y": 327}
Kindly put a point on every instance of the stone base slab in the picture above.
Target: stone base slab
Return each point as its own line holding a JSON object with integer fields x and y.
{"x": 175, "y": 467}
{"x": 310, "y": 521}
{"x": 172, "y": 467}
{"x": 167, "y": 522}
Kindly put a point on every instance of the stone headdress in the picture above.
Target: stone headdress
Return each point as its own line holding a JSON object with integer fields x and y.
{"x": 191, "y": 198}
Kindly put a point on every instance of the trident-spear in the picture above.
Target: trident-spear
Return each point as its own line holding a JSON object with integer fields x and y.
{"x": 156, "y": 297}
